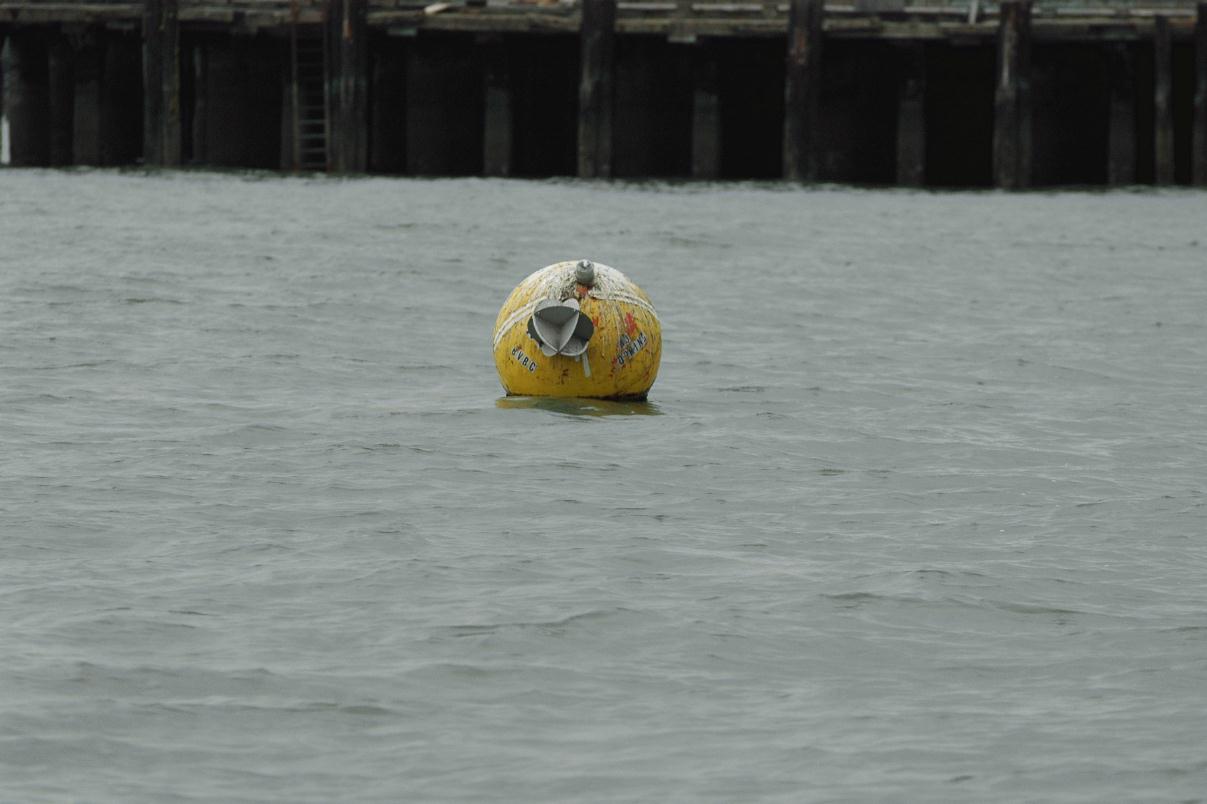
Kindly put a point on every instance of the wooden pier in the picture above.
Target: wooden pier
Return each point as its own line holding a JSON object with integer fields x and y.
{"x": 1013, "y": 94}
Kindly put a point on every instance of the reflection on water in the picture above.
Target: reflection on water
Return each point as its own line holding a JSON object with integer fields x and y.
{"x": 574, "y": 406}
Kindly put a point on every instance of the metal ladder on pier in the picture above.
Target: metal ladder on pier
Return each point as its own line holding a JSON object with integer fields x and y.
{"x": 309, "y": 101}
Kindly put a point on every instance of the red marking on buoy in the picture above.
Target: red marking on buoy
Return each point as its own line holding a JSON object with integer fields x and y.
{"x": 630, "y": 325}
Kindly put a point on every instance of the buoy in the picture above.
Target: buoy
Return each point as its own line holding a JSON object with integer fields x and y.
{"x": 578, "y": 329}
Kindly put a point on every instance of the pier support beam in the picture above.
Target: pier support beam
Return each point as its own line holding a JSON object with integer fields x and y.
{"x": 26, "y": 99}
{"x": 1163, "y": 152}
{"x": 201, "y": 103}
{"x": 1121, "y": 123}
{"x": 911, "y": 116}
{"x": 387, "y": 137}
{"x": 86, "y": 102}
{"x": 497, "y": 123}
{"x": 443, "y": 114}
{"x": 161, "y": 82}
{"x": 1012, "y": 97}
{"x": 61, "y": 83}
{"x": 802, "y": 90}
{"x": 291, "y": 101}
{"x": 348, "y": 85}
{"x": 595, "y": 89}
{"x": 1199, "y": 142}
{"x": 121, "y": 100}
{"x": 706, "y": 114}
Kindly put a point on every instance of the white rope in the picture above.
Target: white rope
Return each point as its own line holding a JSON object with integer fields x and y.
{"x": 512, "y": 320}
{"x": 557, "y": 282}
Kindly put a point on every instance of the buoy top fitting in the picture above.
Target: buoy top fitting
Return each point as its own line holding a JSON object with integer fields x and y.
{"x": 584, "y": 273}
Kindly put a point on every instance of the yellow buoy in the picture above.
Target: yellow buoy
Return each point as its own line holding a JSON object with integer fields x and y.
{"x": 578, "y": 329}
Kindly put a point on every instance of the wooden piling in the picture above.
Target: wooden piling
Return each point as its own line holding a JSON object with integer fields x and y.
{"x": 802, "y": 85}
{"x": 1199, "y": 141}
{"x": 61, "y": 83}
{"x": 1121, "y": 120}
{"x": 595, "y": 89}
{"x": 387, "y": 133}
{"x": 86, "y": 101}
{"x": 26, "y": 100}
{"x": 161, "y": 82}
{"x": 706, "y": 114}
{"x": 1012, "y": 97}
{"x": 152, "y": 76}
{"x": 498, "y": 114}
{"x": 911, "y": 116}
{"x": 290, "y": 151}
{"x": 291, "y": 99}
{"x": 121, "y": 100}
{"x": 1163, "y": 151}
{"x": 426, "y": 115}
{"x": 171, "y": 83}
{"x": 201, "y": 103}
{"x": 348, "y": 82}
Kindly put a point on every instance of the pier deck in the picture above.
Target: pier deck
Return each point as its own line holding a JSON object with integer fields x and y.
{"x": 679, "y": 20}
{"x": 881, "y": 91}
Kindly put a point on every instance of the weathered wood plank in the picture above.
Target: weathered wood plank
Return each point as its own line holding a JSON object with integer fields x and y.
{"x": 41, "y": 13}
{"x": 802, "y": 89}
{"x": 716, "y": 20}
{"x": 1012, "y": 98}
{"x": 876, "y": 6}
{"x": 516, "y": 21}
{"x": 596, "y": 89}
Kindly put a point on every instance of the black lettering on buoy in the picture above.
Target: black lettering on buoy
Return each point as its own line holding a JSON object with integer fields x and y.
{"x": 523, "y": 359}
{"x": 629, "y": 347}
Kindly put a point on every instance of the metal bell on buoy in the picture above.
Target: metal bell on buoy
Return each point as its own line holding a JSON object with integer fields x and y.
{"x": 578, "y": 329}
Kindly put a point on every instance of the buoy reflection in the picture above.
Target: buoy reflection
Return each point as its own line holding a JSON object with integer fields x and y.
{"x": 575, "y": 406}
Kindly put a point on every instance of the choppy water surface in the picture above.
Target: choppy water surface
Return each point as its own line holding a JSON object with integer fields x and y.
{"x": 915, "y": 512}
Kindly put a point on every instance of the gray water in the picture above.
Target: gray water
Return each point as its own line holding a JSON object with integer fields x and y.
{"x": 915, "y": 511}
